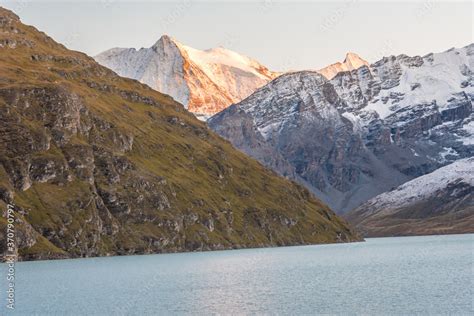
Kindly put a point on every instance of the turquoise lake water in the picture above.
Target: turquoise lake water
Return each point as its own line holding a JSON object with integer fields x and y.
{"x": 403, "y": 276}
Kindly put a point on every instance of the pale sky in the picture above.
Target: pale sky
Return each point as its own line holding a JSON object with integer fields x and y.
{"x": 282, "y": 35}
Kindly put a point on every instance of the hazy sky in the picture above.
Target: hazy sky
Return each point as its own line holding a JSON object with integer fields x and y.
{"x": 282, "y": 35}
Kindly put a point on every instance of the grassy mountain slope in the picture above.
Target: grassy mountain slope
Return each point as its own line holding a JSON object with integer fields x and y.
{"x": 96, "y": 164}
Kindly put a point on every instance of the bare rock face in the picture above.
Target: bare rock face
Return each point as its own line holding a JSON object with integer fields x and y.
{"x": 98, "y": 165}
{"x": 239, "y": 127}
{"x": 364, "y": 131}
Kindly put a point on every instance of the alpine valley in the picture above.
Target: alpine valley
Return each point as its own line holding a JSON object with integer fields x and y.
{"x": 95, "y": 164}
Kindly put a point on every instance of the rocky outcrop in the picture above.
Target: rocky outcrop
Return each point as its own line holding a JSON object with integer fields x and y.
{"x": 240, "y": 129}
{"x": 95, "y": 165}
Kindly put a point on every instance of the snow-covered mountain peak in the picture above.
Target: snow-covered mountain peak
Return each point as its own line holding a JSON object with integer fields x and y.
{"x": 205, "y": 81}
{"x": 354, "y": 61}
{"x": 297, "y": 94}
{"x": 351, "y": 62}
{"x": 165, "y": 38}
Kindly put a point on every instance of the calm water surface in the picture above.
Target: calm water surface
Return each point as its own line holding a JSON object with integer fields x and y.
{"x": 406, "y": 275}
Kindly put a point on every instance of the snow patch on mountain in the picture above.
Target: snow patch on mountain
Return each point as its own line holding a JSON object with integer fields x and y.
{"x": 448, "y": 152}
{"x": 221, "y": 56}
{"x": 469, "y": 131}
{"x": 427, "y": 185}
{"x": 432, "y": 79}
{"x": 355, "y": 120}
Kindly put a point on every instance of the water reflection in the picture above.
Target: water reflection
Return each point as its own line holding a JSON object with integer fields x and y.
{"x": 387, "y": 275}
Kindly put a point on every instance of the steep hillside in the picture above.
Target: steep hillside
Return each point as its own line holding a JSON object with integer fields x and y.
{"x": 364, "y": 131}
{"x": 206, "y": 82}
{"x": 437, "y": 203}
{"x": 96, "y": 165}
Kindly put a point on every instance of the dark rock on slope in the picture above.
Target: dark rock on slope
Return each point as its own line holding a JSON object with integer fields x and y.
{"x": 96, "y": 165}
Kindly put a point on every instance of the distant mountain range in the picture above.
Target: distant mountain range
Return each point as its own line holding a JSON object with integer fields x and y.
{"x": 98, "y": 165}
{"x": 348, "y": 132}
{"x": 206, "y": 82}
{"x": 364, "y": 131}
